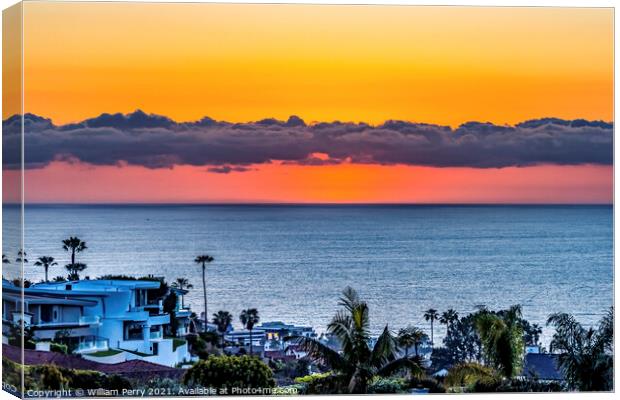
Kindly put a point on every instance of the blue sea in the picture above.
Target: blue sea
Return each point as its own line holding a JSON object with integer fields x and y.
{"x": 292, "y": 261}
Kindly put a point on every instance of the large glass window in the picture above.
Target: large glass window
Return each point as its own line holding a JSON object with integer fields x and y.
{"x": 133, "y": 331}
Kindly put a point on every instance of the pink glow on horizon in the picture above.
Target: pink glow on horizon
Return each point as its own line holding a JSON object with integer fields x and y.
{"x": 62, "y": 182}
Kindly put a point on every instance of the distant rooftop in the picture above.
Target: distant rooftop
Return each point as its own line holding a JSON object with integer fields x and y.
{"x": 542, "y": 366}
{"x": 280, "y": 325}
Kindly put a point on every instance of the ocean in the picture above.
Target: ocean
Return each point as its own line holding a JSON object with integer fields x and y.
{"x": 291, "y": 262}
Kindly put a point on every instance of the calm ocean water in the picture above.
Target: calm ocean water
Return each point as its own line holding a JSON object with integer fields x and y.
{"x": 291, "y": 262}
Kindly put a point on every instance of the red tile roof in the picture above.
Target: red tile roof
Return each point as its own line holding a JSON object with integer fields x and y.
{"x": 138, "y": 369}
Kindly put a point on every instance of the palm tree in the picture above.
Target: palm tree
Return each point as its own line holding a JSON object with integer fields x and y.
{"x": 502, "y": 340}
{"x": 222, "y": 320}
{"x": 431, "y": 315}
{"x": 449, "y": 317}
{"x": 357, "y": 363}
{"x": 410, "y": 336}
{"x": 203, "y": 260}
{"x": 74, "y": 271}
{"x": 46, "y": 262}
{"x": 182, "y": 284}
{"x": 74, "y": 245}
{"x": 249, "y": 318}
{"x": 585, "y": 355}
{"x": 21, "y": 256}
{"x": 535, "y": 332}
{"x": 5, "y": 259}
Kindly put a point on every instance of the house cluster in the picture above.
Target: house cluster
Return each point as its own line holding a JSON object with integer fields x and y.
{"x": 270, "y": 340}
{"x": 108, "y": 321}
{"x": 112, "y": 321}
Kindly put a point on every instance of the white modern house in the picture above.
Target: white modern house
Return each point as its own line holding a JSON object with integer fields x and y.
{"x": 108, "y": 321}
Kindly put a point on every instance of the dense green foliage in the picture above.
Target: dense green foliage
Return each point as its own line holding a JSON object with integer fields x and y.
{"x": 230, "y": 372}
{"x": 286, "y": 371}
{"x": 59, "y": 348}
{"x": 325, "y": 383}
{"x": 16, "y": 333}
{"x": 52, "y": 377}
{"x": 388, "y": 385}
{"x": 462, "y": 343}
{"x": 586, "y": 355}
{"x": 501, "y": 336}
{"x": 170, "y": 306}
{"x": 358, "y": 362}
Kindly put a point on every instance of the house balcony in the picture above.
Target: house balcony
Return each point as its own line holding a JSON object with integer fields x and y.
{"x": 159, "y": 319}
{"x": 156, "y": 335}
{"x": 85, "y": 320}
{"x": 92, "y": 344}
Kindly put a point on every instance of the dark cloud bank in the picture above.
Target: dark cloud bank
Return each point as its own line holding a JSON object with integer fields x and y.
{"x": 155, "y": 141}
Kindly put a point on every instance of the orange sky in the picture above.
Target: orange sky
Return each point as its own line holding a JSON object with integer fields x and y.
{"x": 443, "y": 65}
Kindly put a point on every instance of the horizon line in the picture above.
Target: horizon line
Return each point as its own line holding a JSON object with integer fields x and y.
{"x": 275, "y": 203}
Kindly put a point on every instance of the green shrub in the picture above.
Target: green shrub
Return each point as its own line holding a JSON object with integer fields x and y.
{"x": 388, "y": 385}
{"x": 325, "y": 383}
{"x": 516, "y": 385}
{"x": 82, "y": 379}
{"x": 59, "y": 348}
{"x": 171, "y": 385}
{"x": 51, "y": 377}
{"x": 230, "y": 372}
{"x": 307, "y": 379}
{"x": 11, "y": 373}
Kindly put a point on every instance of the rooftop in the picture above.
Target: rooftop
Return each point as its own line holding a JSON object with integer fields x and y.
{"x": 542, "y": 366}
{"x": 98, "y": 285}
{"x": 130, "y": 369}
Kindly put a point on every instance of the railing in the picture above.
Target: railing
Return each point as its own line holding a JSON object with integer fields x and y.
{"x": 89, "y": 319}
{"x": 97, "y": 344}
{"x": 82, "y": 321}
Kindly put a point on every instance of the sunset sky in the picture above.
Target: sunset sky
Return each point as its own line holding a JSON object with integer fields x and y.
{"x": 443, "y": 66}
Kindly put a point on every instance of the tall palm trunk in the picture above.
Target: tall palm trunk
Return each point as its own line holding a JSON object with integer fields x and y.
{"x": 251, "y": 342}
{"x": 432, "y": 339}
{"x": 73, "y": 256}
{"x": 204, "y": 292}
{"x": 46, "y": 267}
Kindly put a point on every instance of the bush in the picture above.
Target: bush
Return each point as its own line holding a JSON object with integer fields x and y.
{"x": 307, "y": 379}
{"x": 230, "y": 372}
{"x": 210, "y": 337}
{"x": 387, "y": 385}
{"x": 166, "y": 384}
{"x": 11, "y": 373}
{"x": 59, "y": 348}
{"x": 51, "y": 377}
{"x": 516, "y": 385}
{"x": 325, "y": 383}
{"x": 286, "y": 371}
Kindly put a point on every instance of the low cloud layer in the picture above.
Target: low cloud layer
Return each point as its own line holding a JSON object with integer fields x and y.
{"x": 158, "y": 142}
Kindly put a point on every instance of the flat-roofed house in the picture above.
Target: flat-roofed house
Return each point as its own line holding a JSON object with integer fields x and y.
{"x": 96, "y": 315}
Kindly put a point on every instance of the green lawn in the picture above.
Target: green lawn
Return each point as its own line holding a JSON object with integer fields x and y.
{"x": 104, "y": 353}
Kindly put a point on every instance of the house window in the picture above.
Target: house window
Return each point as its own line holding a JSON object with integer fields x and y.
{"x": 133, "y": 331}
{"x": 46, "y": 313}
